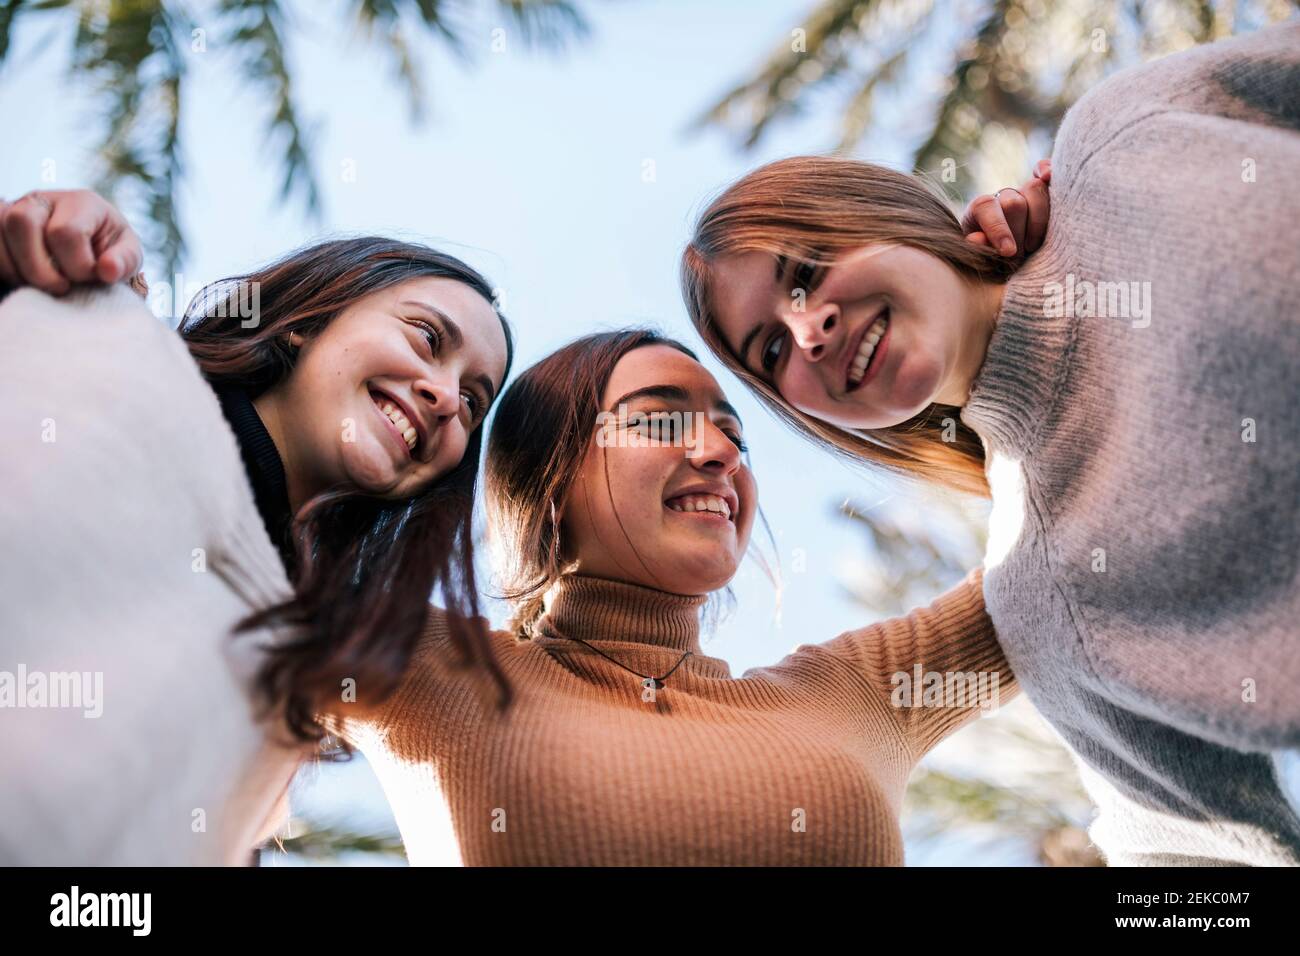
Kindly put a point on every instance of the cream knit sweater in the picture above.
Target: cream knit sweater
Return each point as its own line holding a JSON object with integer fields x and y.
{"x": 132, "y": 545}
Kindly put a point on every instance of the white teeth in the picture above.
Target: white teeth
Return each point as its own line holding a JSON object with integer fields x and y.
{"x": 693, "y": 503}
{"x": 395, "y": 416}
{"x": 858, "y": 367}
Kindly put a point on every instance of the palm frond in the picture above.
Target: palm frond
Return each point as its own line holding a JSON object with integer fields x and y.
{"x": 9, "y": 11}
{"x": 793, "y": 67}
{"x": 858, "y": 113}
{"x": 255, "y": 30}
{"x": 383, "y": 19}
{"x": 1002, "y": 66}
{"x": 955, "y": 130}
{"x": 549, "y": 24}
{"x": 129, "y": 54}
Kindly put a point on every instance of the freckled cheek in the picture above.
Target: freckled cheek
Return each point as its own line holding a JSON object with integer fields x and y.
{"x": 386, "y": 359}
{"x": 636, "y": 481}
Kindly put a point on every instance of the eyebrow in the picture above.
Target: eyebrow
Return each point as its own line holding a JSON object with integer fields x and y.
{"x": 453, "y": 330}
{"x": 457, "y": 340}
{"x": 675, "y": 393}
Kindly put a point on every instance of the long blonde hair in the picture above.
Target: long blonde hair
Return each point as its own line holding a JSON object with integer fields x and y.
{"x": 813, "y": 209}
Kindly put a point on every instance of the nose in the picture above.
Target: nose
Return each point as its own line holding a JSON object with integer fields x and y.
{"x": 814, "y": 330}
{"x": 442, "y": 395}
{"x": 718, "y": 454}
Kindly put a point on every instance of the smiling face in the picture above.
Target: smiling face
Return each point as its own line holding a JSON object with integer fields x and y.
{"x": 868, "y": 342}
{"x": 385, "y": 397}
{"x": 654, "y": 505}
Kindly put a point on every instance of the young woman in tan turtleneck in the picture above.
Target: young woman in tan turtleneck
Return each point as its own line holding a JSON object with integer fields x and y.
{"x": 624, "y": 743}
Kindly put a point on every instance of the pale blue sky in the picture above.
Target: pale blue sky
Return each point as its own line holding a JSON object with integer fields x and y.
{"x": 529, "y": 166}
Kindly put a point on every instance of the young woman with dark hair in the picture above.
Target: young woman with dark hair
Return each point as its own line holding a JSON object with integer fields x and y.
{"x": 356, "y": 347}
{"x": 619, "y": 493}
{"x": 227, "y": 528}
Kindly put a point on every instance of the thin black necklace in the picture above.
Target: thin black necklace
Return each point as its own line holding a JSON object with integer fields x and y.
{"x": 646, "y": 680}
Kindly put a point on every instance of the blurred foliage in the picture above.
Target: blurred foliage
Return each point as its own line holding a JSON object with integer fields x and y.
{"x": 1026, "y": 788}
{"x": 966, "y": 73}
{"x": 1045, "y": 807}
{"x": 133, "y": 56}
{"x": 318, "y": 842}
{"x": 918, "y": 547}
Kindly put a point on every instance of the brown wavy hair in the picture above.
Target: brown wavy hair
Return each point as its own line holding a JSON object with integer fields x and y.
{"x": 363, "y": 568}
{"x": 813, "y": 209}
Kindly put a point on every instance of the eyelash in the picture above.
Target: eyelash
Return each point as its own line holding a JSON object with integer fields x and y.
{"x": 736, "y": 440}
{"x": 763, "y": 358}
{"x": 814, "y": 273}
{"x": 814, "y": 276}
{"x": 435, "y": 346}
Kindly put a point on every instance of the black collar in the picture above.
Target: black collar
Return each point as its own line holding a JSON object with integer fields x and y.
{"x": 262, "y": 462}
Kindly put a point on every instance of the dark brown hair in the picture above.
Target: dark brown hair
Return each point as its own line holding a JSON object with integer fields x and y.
{"x": 363, "y": 568}
{"x": 542, "y": 431}
{"x": 812, "y": 209}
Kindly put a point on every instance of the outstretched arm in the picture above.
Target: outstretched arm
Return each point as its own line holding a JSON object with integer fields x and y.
{"x": 937, "y": 668}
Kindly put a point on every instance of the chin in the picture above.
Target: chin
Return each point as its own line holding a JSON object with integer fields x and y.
{"x": 900, "y": 416}
{"x": 696, "y": 574}
{"x": 372, "y": 474}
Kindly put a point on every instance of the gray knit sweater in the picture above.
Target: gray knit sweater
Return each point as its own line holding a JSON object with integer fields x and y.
{"x": 1143, "y": 443}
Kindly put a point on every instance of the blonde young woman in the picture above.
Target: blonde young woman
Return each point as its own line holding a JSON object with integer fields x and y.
{"x": 1128, "y": 396}
{"x": 626, "y": 743}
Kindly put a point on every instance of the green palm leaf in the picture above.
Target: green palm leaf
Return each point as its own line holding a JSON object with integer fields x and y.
{"x": 1019, "y": 64}
{"x": 132, "y": 55}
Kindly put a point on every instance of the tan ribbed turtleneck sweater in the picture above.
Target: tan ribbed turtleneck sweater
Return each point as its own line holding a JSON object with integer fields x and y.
{"x": 803, "y": 762}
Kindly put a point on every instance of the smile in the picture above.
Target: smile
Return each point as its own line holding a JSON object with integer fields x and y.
{"x": 871, "y": 349}
{"x": 706, "y": 506}
{"x": 398, "y": 424}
